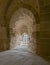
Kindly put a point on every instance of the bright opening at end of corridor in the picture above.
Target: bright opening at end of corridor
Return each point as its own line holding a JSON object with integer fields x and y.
{"x": 22, "y": 40}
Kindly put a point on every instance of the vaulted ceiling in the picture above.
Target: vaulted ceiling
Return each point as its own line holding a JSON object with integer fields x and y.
{"x": 8, "y": 7}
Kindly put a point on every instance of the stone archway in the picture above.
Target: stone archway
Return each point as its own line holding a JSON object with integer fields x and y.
{"x": 11, "y": 8}
{"x": 22, "y": 19}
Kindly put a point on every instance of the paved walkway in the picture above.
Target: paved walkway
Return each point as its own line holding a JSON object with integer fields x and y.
{"x": 20, "y": 56}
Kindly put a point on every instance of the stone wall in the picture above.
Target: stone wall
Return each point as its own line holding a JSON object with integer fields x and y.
{"x": 3, "y": 29}
{"x": 3, "y": 38}
{"x": 43, "y": 39}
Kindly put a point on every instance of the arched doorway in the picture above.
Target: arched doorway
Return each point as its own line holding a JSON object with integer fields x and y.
{"x": 23, "y": 25}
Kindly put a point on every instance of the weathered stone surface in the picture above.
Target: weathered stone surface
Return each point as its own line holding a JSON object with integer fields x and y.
{"x": 41, "y": 10}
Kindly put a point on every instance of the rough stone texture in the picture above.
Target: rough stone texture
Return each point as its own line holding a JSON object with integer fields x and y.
{"x": 7, "y": 8}
{"x": 23, "y": 23}
{"x": 42, "y": 7}
{"x": 43, "y": 40}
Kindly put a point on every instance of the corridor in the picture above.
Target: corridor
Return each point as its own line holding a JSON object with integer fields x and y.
{"x": 24, "y": 32}
{"x": 21, "y": 56}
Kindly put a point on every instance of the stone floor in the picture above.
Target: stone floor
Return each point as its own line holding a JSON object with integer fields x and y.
{"x": 21, "y": 56}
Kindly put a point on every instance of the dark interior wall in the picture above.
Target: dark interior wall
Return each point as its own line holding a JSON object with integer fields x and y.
{"x": 3, "y": 26}
{"x": 43, "y": 39}
{"x": 3, "y": 35}
{"x": 3, "y": 38}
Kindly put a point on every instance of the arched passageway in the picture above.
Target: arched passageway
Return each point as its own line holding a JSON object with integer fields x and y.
{"x": 41, "y": 10}
{"x": 22, "y": 26}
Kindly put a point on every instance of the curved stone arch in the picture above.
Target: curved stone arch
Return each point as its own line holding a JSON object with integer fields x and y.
{"x": 23, "y": 5}
{"x": 27, "y": 6}
{"x": 23, "y": 12}
{"x": 20, "y": 13}
{"x": 34, "y": 12}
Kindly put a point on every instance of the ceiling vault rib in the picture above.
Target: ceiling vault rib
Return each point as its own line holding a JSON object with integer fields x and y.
{"x": 7, "y": 26}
